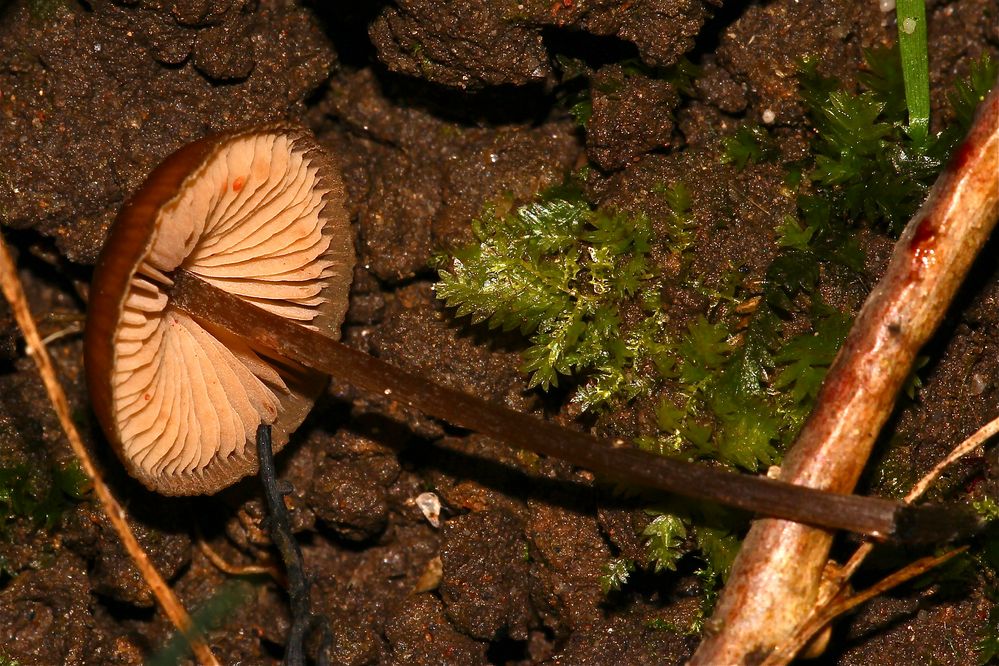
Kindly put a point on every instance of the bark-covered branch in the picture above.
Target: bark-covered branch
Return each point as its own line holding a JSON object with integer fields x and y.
{"x": 776, "y": 577}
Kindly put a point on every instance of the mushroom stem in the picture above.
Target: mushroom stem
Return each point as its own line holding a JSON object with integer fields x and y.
{"x": 874, "y": 517}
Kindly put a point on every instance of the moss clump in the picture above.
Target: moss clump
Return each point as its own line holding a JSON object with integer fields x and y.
{"x": 39, "y": 496}
{"x": 561, "y": 273}
{"x": 867, "y": 165}
{"x": 576, "y": 280}
{"x": 749, "y": 144}
{"x": 564, "y": 274}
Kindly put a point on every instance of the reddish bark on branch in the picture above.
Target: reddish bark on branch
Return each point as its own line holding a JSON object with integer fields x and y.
{"x": 776, "y": 576}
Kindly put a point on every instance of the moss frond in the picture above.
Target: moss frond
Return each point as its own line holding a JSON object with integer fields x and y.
{"x": 750, "y": 144}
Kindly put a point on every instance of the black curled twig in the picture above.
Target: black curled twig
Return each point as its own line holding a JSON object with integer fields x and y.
{"x": 279, "y": 526}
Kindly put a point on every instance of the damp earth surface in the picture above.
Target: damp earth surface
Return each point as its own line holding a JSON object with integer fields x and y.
{"x": 434, "y": 111}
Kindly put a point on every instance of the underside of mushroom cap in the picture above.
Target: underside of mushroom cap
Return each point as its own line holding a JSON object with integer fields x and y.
{"x": 259, "y": 214}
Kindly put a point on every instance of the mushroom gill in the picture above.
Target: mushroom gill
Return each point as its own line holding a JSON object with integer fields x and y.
{"x": 258, "y": 214}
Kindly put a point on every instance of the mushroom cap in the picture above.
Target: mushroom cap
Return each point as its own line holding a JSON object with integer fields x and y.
{"x": 259, "y": 213}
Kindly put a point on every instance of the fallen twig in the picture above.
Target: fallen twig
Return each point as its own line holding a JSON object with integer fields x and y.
{"x": 227, "y": 567}
{"x": 10, "y": 284}
{"x": 775, "y": 579}
{"x": 279, "y": 526}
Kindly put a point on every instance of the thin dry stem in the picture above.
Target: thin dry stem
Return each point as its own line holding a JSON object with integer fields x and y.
{"x": 227, "y": 567}
{"x": 962, "y": 449}
{"x": 14, "y": 293}
{"x": 776, "y": 577}
{"x": 786, "y": 652}
{"x": 821, "y": 614}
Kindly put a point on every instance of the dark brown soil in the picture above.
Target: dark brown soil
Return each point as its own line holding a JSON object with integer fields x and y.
{"x": 434, "y": 110}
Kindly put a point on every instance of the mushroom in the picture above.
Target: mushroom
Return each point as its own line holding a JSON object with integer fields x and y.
{"x": 215, "y": 308}
{"x": 258, "y": 214}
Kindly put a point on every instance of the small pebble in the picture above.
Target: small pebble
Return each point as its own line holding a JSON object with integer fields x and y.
{"x": 430, "y": 505}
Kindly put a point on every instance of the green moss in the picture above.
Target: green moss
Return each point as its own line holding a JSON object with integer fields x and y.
{"x": 735, "y": 384}
{"x": 564, "y": 273}
{"x": 664, "y": 536}
{"x": 40, "y": 496}
{"x": 581, "y": 111}
{"x": 866, "y": 164}
{"x": 615, "y": 574}
{"x": 971, "y": 92}
{"x": 987, "y": 508}
{"x": 750, "y": 144}
{"x": 560, "y": 272}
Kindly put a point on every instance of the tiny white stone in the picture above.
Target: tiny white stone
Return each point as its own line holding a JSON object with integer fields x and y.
{"x": 430, "y": 505}
{"x": 886, "y": 5}
{"x": 769, "y": 116}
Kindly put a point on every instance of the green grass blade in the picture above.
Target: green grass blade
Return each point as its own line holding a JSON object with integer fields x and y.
{"x": 911, "y": 16}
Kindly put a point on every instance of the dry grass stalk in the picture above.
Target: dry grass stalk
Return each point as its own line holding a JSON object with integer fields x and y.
{"x": 231, "y": 569}
{"x": 14, "y": 293}
{"x": 842, "y": 604}
{"x": 776, "y": 577}
{"x": 829, "y": 604}
{"x": 962, "y": 449}
{"x": 980, "y": 436}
